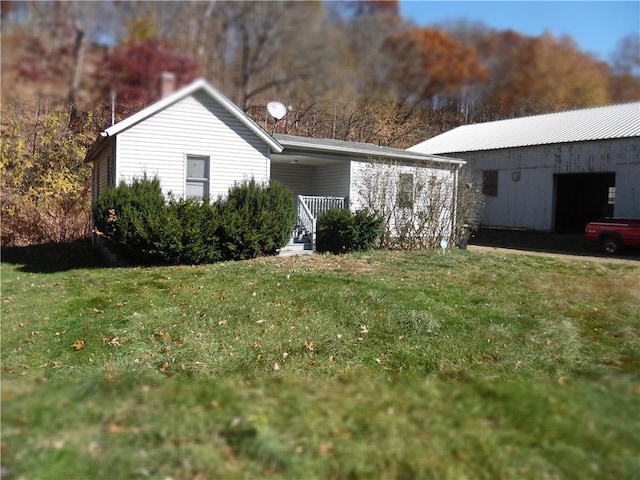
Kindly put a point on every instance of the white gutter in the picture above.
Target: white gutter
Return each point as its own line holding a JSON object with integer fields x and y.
{"x": 303, "y": 147}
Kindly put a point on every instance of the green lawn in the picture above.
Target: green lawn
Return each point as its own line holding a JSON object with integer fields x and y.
{"x": 379, "y": 365}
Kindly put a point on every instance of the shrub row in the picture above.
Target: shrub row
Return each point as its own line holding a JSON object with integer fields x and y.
{"x": 142, "y": 227}
{"x": 341, "y": 231}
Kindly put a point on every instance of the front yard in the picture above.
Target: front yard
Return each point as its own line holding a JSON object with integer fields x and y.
{"x": 378, "y": 365}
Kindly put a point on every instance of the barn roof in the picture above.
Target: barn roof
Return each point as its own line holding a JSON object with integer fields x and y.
{"x": 599, "y": 123}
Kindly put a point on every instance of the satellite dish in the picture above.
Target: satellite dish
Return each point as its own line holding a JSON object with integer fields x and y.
{"x": 276, "y": 110}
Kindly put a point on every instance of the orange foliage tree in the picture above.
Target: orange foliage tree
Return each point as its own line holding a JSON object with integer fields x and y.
{"x": 428, "y": 62}
{"x": 530, "y": 75}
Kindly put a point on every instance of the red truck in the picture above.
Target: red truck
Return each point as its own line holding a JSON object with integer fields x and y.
{"x": 614, "y": 233}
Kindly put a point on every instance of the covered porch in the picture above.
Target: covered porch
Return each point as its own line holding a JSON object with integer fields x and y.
{"x": 319, "y": 182}
{"x": 324, "y": 173}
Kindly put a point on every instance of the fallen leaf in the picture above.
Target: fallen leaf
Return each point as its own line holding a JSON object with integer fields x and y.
{"x": 308, "y": 345}
{"x": 78, "y": 345}
{"x": 114, "y": 428}
{"x": 325, "y": 449}
{"x": 112, "y": 342}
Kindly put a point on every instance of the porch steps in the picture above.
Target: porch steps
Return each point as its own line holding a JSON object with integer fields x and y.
{"x": 296, "y": 248}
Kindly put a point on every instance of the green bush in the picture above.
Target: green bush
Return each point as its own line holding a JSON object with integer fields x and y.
{"x": 187, "y": 232}
{"x": 127, "y": 216}
{"x": 341, "y": 231}
{"x": 256, "y": 220}
{"x": 142, "y": 227}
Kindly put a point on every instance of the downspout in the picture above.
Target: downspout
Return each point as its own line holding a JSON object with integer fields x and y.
{"x": 92, "y": 222}
{"x": 454, "y": 208}
{"x": 95, "y": 184}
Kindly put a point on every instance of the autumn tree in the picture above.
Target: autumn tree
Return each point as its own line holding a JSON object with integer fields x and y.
{"x": 429, "y": 62}
{"x": 531, "y": 75}
{"x": 625, "y": 81}
{"x": 44, "y": 180}
{"x": 134, "y": 71}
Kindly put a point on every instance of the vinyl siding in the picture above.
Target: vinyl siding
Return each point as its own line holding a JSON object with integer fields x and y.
{"x": 197, "y": 125}
{"x": 100, "y": 173}
{"x": 299, "y": 178}
{"x": 444, "y": 181}
{"x": 333, "y": 180}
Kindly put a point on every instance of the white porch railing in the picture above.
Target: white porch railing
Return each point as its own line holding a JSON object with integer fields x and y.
{"x": 308, "y": 210}
{"x": 307, "y": 221}
{"x": 318, "y": 205}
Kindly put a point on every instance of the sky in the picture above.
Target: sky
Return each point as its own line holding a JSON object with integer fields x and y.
{"x": 596, "y": 26}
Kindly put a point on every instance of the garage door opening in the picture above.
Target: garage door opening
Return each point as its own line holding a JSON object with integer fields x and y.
{"x": 581, "y": 198}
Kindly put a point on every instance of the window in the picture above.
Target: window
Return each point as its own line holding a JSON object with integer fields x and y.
{"x": 197, "y": 177}
{"x": 111, "y": 170}
{"x": 611, "y": 201}
{"x": 490, "y": 182}
{"x": 405, "y": 190}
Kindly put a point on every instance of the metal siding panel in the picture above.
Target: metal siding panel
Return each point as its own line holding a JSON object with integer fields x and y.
{"x": 628, "y": 191}
{"x": 530, "y": 203}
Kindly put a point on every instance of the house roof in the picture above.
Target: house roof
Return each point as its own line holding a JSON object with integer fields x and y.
{"x": 307, "y": 145}
{"x": 200, "y": 84}
{"x": 600, "y": 123}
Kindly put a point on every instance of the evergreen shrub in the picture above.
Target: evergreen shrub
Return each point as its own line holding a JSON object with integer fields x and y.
{"x": 340, "y": 231}
{"x": 142, "y": 227}
{"x": 256, "y": 220}
{"x": 128, "y": 215}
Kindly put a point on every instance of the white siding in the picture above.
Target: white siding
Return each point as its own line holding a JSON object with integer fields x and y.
{"x": 529, "y": 203}
{"x": 100, "y": 172}
{"x": 299, "y": 178}
{"x": 333, "y": 180}
{"x": 358, "y": 170}
{"x": 197, "y": 125}
{"x": 510, "y": 209}
{"x": 627, "y": 191}
{"x": 443, "y": 188}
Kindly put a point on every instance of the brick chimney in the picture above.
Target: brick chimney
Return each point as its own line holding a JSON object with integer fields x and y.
{"x": 167, "y": 84}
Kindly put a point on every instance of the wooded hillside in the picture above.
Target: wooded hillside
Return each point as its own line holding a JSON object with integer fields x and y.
{"x": 349, "y": 70}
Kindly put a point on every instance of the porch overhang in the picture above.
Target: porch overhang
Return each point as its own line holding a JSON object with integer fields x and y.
{"x": 315, "y": 151}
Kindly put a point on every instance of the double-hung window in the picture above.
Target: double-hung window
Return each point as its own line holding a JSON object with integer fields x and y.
{"x": 197, "y": 177}
{"x": 405, "y": 190}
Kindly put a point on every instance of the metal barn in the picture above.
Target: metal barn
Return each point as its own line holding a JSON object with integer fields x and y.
{"x": 552, "y": 172}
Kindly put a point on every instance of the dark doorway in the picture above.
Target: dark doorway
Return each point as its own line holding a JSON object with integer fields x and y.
{"x": 581, "y": 198}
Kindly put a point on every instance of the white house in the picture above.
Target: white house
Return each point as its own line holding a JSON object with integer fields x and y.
{"x": 199, "y": 144}
{"x": 552, "y": 172}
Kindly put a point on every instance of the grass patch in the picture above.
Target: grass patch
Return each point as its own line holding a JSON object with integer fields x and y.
{"x": 385, "y": 364}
